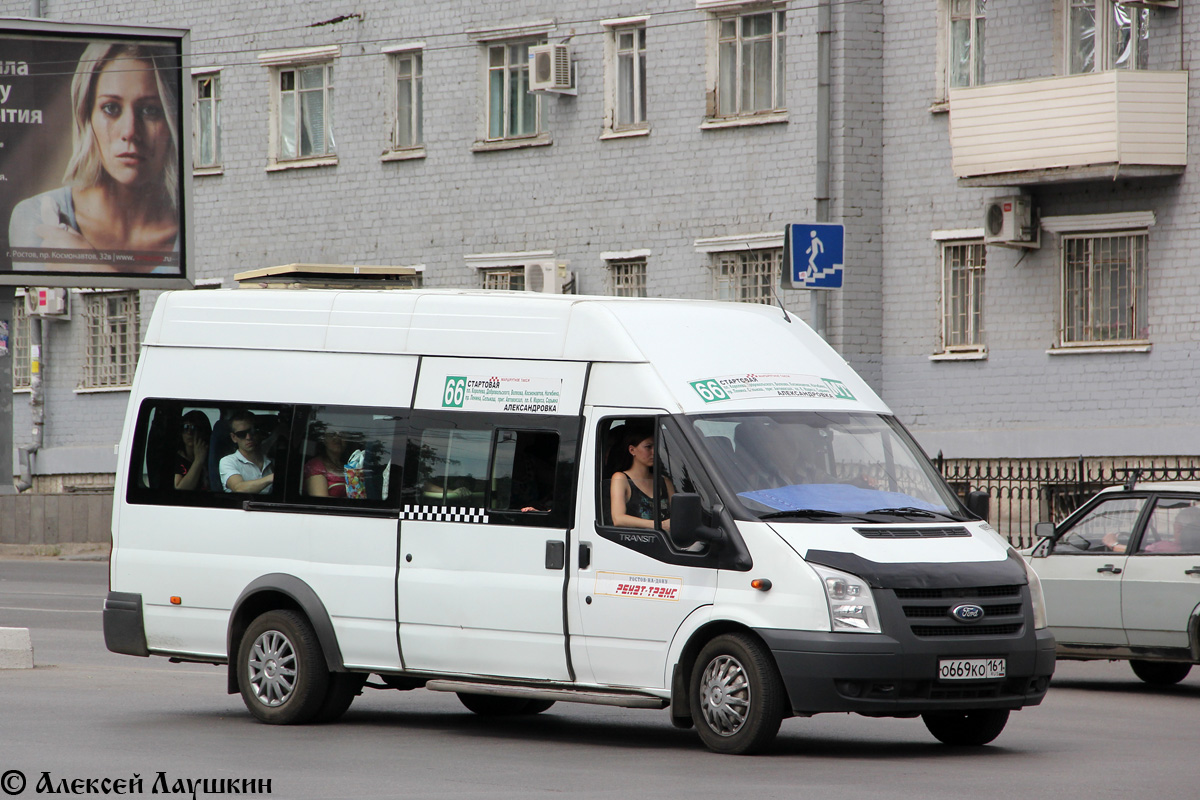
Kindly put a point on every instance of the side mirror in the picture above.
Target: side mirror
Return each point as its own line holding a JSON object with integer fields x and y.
{"x": 978, "y": 503}
{"x": 687, "y": 527}
{"x": 1043, "y": 535}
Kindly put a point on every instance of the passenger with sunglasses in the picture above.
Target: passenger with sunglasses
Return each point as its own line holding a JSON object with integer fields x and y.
{"x": 247, "y": 470}
{"x": 191, "y": 458}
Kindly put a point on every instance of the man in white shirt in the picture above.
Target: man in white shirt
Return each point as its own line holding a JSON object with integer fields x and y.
{"x": 247, "y": 470}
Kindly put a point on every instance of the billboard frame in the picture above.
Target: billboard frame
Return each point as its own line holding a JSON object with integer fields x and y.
{"x": 84, "y": 32}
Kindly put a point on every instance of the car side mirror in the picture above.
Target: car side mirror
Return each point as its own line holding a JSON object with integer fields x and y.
{"x": 978, "y": 503}
{"x": 687, "y": 526}
{"x": 1043, "y": 535}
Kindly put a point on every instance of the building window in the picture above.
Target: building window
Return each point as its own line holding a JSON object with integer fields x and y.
{"x": 306, "y": 112}
{"x": 512, "y": 278}
{"x": 1103, "y": 35}
{"x": 112, "y": 339}
{"x": 626, "y": 76}
{"x": 627, "y": 277}
{"x": 1104, "y": 289}
{"x": 750, "y": 64}
{"x": 409, "y": 72}
{"x": 967, "y": 18}
{"x": 18, "y": 340}
{"x": 962, "y": 295}
{"x": 208, "y": 121}
{"x": 512, "y": 111}
{"x": 747, "y": 276}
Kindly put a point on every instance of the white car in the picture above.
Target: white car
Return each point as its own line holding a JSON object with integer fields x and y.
{"x": 1121, "y": 578}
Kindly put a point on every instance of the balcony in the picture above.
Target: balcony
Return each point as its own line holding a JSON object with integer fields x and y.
{"x": 1103, "y": 125}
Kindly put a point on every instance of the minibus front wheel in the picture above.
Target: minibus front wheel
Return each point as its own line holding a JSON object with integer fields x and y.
{"x": 281, "y": 670}
{"x": 737, "y": 696}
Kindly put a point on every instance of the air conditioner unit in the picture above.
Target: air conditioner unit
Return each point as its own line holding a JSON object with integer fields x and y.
{"x": 542, "y": 276}
{"x": 43, "y": 302}
{"x": 550, "y": 68}
{"x": 1008, "y": 221}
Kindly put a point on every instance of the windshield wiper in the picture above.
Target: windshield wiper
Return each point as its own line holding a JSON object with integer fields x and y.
{"x": 911, "y": 511}
{"x": 810, "y": 513}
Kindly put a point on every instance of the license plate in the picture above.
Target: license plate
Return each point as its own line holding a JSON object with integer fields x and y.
{"x": 971, "y": 669}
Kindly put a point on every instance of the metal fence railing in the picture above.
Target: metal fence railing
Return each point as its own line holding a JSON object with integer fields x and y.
{"x": 1024, "y": 492}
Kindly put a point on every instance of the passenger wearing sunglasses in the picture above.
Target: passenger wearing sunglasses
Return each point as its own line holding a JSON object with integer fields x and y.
{"x": 191, "y": 458}
{"x": 247, "y": 470}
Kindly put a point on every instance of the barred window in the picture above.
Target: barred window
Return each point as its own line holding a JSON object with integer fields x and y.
{"x": 747, "y": 276}
{"x": 627, "y": 277}
{"x": 504, "y": 278}
{"x": 1104, "y": 288}
{"x": 18, "y": 340}
{"x": 112, "y": 339}
{"x": 962, "y": 295}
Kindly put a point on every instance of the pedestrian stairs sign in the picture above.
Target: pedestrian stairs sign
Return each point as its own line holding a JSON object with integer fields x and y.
{"x": 814, "y": 255}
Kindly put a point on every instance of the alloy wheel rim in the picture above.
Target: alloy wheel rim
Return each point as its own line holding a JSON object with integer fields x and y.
{"x": 725, "y": 695}
{"x": 272, "y": 666}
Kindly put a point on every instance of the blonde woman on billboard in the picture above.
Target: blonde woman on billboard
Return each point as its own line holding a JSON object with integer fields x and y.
{"x": 120, "y": 193}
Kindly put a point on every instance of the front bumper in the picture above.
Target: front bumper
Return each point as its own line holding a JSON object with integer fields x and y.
{"x": 877, "y": 675}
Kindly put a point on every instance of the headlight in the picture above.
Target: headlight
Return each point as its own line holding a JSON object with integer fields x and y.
{"x": 851, "y": 604}
{"x": 1036, "y": 597}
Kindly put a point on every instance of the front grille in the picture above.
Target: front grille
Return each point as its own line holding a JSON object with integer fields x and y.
{"x": 928, "y": 611}
{"x": 969, "y": 593}
{"x": 960, "y": 630}
{"x": 912, "y": 533}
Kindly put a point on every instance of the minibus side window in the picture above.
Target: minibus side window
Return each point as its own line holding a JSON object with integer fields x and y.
{"x": 449, "y": 467}
{"x": 523, "y": 467}
{"x": 178, "y": 446}
{"x": 346, "y": 457}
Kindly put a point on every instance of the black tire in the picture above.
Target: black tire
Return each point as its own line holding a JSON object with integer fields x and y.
{"x": 537, "y": 706}
{"x": 966, "y": 728}
{"x": 737, "y": 697}
{"x": 490, "y": 705}
{"x": 1160, "y": 673}
{"x": 343, "y": 688}
{"x": 281, "y": 670}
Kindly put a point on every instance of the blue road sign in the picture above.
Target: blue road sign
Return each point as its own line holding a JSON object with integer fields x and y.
{"x": 815, "y": 255}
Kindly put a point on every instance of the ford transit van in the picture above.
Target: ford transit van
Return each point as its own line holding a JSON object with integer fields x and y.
{"x": 527, "y": 499}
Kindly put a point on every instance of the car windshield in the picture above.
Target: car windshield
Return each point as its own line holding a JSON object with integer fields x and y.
{"x": 813, "y": 466}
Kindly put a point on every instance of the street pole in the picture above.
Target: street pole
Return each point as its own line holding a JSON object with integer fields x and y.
{"x": 7, "y": 296}
{"x": 824, "y": 124}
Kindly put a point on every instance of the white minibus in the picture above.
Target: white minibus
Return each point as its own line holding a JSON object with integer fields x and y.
{"x": 524, "y": 499}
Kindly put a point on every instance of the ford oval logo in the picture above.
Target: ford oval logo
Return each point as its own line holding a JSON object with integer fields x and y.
{"x": 967, "y": 612}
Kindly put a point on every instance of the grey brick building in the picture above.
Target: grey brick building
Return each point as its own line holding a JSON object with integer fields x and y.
{"x": 693, "y": 137}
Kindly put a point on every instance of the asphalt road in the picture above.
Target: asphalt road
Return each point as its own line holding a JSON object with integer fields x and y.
{"x": 84, "y": 713}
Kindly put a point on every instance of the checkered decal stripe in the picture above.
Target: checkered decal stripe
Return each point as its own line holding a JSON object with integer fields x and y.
{"x": 440, "y": 514}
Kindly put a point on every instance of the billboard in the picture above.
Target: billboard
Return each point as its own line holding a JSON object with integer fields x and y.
{"x": 95, "y": 156}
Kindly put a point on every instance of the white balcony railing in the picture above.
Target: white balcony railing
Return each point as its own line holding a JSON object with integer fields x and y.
{"x": 1076, "y": 127}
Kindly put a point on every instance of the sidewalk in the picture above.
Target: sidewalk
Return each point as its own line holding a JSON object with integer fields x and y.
{"x": 67, "y": 551}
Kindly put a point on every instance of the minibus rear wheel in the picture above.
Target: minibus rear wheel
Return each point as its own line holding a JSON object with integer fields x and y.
{"x": 281, "y": 669}
{"x": 1160, "y": 673}
{"x": 966, "y": 728}
{"x": 737, "y": 696}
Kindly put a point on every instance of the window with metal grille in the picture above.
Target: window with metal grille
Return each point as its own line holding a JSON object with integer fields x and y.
{"x": 112, "y": 339}
{"x": 627, "y": 277}
{"x": 18, "y": 340}
{"x": 962, "y": 295}
{"x": 1104, "y": 289}
{"x": 504, "y": 278}
{"x": 747, "y": 276}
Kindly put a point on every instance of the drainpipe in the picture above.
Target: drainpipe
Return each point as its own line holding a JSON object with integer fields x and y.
{"x": 37, "y": 403}
{"x": 819, "y": 297}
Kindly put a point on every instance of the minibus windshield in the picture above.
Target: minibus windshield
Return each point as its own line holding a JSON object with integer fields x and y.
{"x": 817, "y": 466}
